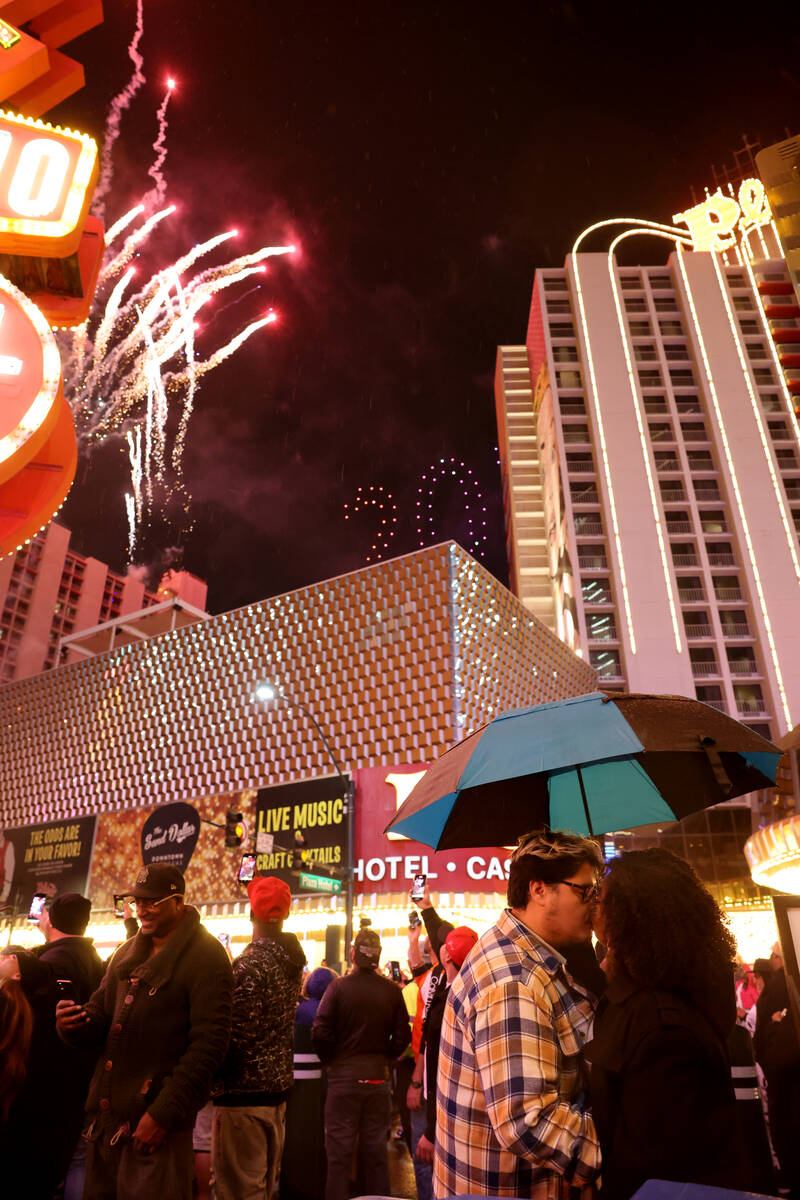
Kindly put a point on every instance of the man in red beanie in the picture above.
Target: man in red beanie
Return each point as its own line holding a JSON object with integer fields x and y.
{"x": 452, "y": 954}
{"x": 251, "y": 1089}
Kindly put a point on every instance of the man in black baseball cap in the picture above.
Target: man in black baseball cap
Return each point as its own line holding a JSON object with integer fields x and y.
{"x": 160, "y": 1022}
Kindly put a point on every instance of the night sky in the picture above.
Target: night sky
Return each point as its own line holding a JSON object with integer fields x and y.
{"x": 426, "y": 159}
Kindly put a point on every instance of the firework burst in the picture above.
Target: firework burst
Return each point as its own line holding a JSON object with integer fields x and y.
{"x": 132, "y": 370}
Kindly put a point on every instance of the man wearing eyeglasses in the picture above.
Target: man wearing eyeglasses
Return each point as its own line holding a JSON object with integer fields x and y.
{"x": 511, "y": 1114}
{"x": 160, "y": 1022}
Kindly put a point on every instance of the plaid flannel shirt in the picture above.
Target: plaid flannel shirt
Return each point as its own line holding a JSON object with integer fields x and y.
{"x": 510, "y": 1117}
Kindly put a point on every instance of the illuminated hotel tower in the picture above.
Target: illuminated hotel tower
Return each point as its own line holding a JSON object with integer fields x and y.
{"x": 651, "y": 465}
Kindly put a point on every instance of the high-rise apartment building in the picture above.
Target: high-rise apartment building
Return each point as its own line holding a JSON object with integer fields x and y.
{"x": 47, "y": 592}
{"x": 651, "y": 461}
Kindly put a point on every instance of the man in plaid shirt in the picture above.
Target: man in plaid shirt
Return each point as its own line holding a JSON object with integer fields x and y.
{"x": 511, "y": 1115}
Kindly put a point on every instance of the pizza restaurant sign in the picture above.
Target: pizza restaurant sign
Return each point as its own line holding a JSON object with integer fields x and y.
{"x": 389, "y": 864}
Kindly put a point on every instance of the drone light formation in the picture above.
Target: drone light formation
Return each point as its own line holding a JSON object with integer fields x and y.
{"x": 379, "y": 503}
{"x": 449, "y": 473}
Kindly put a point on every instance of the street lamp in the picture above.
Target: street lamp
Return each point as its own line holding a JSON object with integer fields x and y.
{"x": 267, "y": 691}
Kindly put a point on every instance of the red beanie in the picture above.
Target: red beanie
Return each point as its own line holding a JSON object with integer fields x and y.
{"x": 460, "y": 942}
{"x": 270, "y": 898}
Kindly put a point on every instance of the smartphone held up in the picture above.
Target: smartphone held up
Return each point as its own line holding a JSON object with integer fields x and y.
{"x": 418, "y": 889}
{"x": 37, "y": 906}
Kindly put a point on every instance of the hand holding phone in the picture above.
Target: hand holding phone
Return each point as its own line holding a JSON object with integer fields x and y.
{"x": 37, "y": 904}
{"x": 70, "y": 1015}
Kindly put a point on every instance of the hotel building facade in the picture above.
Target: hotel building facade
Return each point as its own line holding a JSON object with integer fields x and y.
{"x": 49, "y": 592}
{"x": 651, "y": 468}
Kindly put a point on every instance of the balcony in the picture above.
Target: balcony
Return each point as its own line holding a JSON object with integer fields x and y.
{"x": 586, "y": 497}
{"x": 678, "y": 496}
{"x": 666, "y": 463}
{"x": 739, "y": 630}
{"x": 573, "y": 437}
{"x": 580, "y": 467}
{"x": 698, "y": 630}
{"x": 743, "y": 666}
{"x": 676, "y": 527}
{"x": 595, "y": 562}
{"x": 751, "y": 707}
{"x": 700, "y": 669}
{"x": 691, "y": 595}
{"x": 721, "y": 559}
{"x": 684, "y": 560}
{"x": 719, "y": 705}
{"x": 728, "y": 594}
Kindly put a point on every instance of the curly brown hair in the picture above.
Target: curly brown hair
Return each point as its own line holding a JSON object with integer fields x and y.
{"x": 16, "y": 1027}
{"x": 665, "y": 930}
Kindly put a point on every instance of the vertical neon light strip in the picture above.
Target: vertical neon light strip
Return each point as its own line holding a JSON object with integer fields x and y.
{"x": 776, "y": 486}
{"x": 623, "y": 333}
{"x": 737, "y": 491}
{"x": 604, "y": 451}
{"x": 677, "y": 236}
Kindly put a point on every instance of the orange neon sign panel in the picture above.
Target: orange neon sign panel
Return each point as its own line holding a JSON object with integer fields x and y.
{"x": 47, "y": 175}
{"x": 38, "y": 451}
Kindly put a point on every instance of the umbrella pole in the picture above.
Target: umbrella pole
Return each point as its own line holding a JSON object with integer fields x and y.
{"x": 585, "y": 803}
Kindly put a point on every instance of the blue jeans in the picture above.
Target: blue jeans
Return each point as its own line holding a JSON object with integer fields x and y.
{"x": 423, "y": 1172}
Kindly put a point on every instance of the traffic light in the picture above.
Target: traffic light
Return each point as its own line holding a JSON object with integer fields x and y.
{"x": 300, "y": 859}
{"x": 234, "y": 828}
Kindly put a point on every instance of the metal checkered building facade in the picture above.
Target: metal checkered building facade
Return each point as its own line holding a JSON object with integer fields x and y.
{"x": 396, "y": 661}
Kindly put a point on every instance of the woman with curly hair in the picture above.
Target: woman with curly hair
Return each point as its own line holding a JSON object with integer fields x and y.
{"x": 661, "y": 1091}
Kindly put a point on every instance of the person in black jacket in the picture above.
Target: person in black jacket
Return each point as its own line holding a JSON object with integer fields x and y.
{"x": 70, "y": 956}
{"x": 661, "y": 1091}
{"x": 777, "y": 1051}
{"x": 361, "y": 1024}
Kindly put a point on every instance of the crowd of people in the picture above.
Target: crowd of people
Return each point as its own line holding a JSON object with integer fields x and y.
{"x": 531, "y": 1061}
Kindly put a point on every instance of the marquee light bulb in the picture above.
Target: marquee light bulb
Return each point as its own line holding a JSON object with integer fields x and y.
{"x": 265, "y": 692}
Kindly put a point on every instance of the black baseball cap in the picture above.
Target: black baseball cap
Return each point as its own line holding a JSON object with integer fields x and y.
{"x": 367, "y": 947}
{"x": 158, "y": 881}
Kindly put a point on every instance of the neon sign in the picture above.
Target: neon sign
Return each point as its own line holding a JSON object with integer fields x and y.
{"x": 47, "y": 176}
{"x": 714, "y": 223}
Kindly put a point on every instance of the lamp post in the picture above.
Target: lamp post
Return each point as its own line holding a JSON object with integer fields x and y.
{"x": 270, "y": 691}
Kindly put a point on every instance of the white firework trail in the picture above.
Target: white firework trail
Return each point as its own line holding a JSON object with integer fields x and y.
{"x": 119, "y": 105}
{"x": 134, "y": 440}
{"x": 130, "y": 505}
{"x": 156, "y": 170}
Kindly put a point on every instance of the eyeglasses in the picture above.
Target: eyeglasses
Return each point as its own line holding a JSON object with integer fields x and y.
{"x": 139, "y": 904}
{"x": 586, "y": 891}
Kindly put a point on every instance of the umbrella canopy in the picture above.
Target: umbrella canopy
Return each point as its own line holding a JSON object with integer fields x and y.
{"x": 593, "y": 764}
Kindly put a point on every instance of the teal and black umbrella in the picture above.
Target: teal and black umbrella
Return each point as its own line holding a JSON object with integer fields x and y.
{"x": 591, "y": 764}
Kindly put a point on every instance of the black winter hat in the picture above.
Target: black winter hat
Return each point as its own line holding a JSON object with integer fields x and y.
{"x": 69, "y": 913}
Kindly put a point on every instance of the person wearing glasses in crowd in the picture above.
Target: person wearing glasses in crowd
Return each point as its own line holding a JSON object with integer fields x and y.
{"x": 160, "y": 1022}
{"x": 512, "y": 1118}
